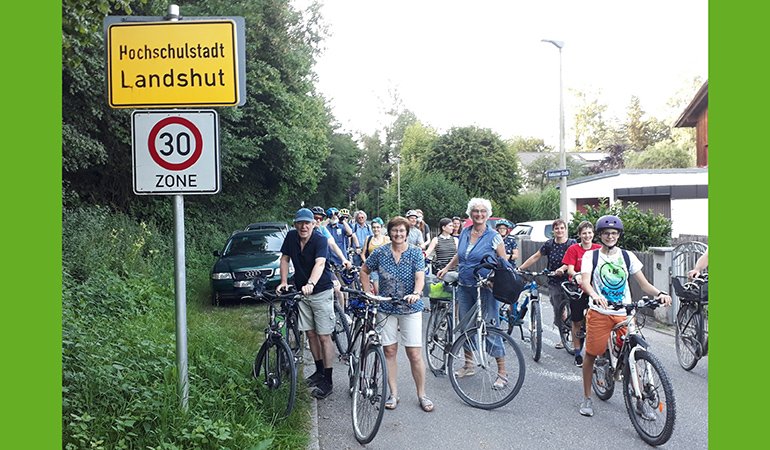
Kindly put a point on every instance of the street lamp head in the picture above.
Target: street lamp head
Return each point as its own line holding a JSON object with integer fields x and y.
{"x": 557, "y": 44}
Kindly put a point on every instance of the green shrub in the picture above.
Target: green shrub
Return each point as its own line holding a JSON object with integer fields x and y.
{"x": 538, "y": 205}
{"x": 641, "y": 230}
{"x": 119, "y": 375}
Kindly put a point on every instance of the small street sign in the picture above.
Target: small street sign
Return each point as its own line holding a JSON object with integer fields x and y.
{"x": 557, "y": 173}
{"x": 175, "y": 152}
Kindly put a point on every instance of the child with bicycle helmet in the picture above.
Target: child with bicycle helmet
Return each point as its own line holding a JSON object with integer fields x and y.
{"x": 604, "y": 277}
{"x": 511, "y": 247}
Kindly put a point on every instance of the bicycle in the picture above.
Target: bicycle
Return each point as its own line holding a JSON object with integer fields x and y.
{"x": 691, "y": 335}
{"x": 367, "y": 370}
{"x": 484, "y": 382}
{"x": 647, "y": 391}
{"x": 573, "y": 292}
{"x": 275, "y": 360}
{"x": 341, "y": 333}
{"x": 514, "y": 313}
{"x": 440, "y": 328}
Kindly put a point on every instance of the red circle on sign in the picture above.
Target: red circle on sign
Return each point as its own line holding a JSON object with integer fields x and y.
{"x": 196, "y": 154}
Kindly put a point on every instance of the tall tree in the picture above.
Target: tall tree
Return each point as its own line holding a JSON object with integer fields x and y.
{"x": 270, "y": 149}
{"x": 528, "y": 144}
{"x": 641, "y": 131}
{"x": 415, "y": 145}
{"x": 477, "y": 160}
{"x": 340, "y": 172}
{"x": 591, "y": 128}
{"x": 535, "y": 171}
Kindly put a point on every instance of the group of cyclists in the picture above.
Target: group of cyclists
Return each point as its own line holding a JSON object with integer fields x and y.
{"x": 393, "y": 261}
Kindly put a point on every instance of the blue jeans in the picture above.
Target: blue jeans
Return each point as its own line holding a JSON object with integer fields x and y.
{"x": 466, "y": 299}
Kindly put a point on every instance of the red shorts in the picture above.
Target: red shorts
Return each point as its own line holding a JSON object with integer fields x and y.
{"x": 598, "y": 327}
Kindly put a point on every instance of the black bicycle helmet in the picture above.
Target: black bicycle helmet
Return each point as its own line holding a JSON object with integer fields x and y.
{"x": 611, "y": 222}
{"x": 318, "y": 211}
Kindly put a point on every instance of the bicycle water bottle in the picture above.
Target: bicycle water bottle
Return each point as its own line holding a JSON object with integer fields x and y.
{"x": 280, "y": 320}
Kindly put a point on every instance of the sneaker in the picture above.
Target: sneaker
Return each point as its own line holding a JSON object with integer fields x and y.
{"x": 314, "y": 379}
{"x": 558, "y": 346}
{"x": 322, "y": 390}
{"x": 578, "y": 359}
{"x": 645, "y": 411}
{"x": 587, "y": 407}
{"x": 465, "y": 371}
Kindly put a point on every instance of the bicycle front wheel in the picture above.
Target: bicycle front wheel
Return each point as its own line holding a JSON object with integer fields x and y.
{"x": 654, "y": 414}
{"x": 486, "y": 373}
{"x": 274, "y": 367}
{"x": 535, "y": 331}
{"x": 686, "y": 335}
{"x": 565, "y": 327}
{"x": 437, "y": 337}
{"x": 341, "y": 333}
{"x": 369, "y": 394}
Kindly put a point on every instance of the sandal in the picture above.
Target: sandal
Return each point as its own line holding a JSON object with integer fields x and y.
{"x": 501, "y": 382}
{"x": 392, "y": 402}
{"x": 426, "y": 404}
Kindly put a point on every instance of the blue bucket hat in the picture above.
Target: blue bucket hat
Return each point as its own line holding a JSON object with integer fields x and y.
{"x": 303, "y": 215}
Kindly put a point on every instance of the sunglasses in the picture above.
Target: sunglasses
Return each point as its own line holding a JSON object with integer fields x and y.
{"x": 318, "y": 217}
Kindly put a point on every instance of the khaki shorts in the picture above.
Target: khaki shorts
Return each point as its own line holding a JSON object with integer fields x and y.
{"x": 316, "y": 312}
{"x": 408, "y": 326}
{"x": 598, "y": 328}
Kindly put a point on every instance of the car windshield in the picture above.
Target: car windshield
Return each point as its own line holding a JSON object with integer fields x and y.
{"x": 254, "y": 243}
{"x": 521, "y": 229}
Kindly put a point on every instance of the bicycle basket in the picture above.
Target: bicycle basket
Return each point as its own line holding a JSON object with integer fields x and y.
{"x": 506, "y": 285}
{"x": 690, "y": 291}
{"x": 440, "y": 291}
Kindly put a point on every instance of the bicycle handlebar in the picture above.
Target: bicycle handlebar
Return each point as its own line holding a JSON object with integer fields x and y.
{"x": 644, "y": 302}
{"x": 369, "y": 296}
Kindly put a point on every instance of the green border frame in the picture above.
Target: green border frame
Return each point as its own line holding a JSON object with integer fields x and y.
{"x": 31, "y": 186}
{"x": 740, "y": 160}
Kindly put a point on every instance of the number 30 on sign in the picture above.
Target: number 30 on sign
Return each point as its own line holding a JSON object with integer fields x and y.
{"x": 175, "y": 152}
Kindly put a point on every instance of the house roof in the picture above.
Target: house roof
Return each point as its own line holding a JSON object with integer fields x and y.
{"x": 527, "y": 158}
{"x": 615, "y": 173}
{"x": 689, "y": 117}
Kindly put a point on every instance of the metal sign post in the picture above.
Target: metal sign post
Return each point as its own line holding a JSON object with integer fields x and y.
{"x": 180, "y": 294}
{"x": 165, "y": 62}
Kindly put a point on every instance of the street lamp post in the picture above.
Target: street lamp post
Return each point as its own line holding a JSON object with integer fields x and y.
{"x": 562, "y": 155}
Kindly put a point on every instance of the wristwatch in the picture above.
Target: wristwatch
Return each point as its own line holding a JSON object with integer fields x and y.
{"x": 311, "y": 283}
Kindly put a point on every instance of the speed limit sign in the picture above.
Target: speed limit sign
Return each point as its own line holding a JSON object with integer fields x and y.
{"x": 175, "y": 152}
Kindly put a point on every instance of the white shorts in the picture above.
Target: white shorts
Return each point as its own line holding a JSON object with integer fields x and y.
{"x": 409, "y": 326}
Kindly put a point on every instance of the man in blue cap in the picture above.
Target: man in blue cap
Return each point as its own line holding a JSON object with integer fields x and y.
{"x": 307, "y": 251}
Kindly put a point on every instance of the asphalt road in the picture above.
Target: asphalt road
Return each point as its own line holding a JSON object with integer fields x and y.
{"x": 543, "y": 415}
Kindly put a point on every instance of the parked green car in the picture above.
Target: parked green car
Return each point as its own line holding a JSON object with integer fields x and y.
{"x": 246, "y": 254}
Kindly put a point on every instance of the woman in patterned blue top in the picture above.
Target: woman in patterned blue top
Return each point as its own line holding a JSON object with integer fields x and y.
{"x": 478, "y": 242}
{"x": 400, "y": 267}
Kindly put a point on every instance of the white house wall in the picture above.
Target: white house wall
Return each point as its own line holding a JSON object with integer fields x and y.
{"x": 689, "y": 216}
